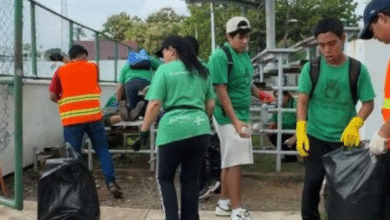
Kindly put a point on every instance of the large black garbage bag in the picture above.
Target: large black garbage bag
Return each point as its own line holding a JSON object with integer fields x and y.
{"x": 67, "y": 191}
{"x": 357, "y": 183}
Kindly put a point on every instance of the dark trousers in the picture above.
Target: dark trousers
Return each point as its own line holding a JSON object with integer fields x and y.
{"x": 273, "y": 139}
{"x": 189, "y": 153}
{"x": 96, "y": 132}
{"x": 314, "y": 175}
{"x": 132, "y": 88}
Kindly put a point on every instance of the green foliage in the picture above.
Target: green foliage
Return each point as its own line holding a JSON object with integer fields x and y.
{"x": 158, "y": 25}
{"x": 294, "y": 21}
{"x": 117, "y": 25}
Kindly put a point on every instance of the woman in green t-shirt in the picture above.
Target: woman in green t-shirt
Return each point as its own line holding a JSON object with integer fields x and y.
{"x": 183, "y": 88}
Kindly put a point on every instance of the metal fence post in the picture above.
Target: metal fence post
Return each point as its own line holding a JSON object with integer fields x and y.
{"x": 33, "y": 40}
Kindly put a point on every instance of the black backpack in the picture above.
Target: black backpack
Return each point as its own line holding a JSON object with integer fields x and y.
{"x": 230, "y": 58}
{"x": 354, "y": 72}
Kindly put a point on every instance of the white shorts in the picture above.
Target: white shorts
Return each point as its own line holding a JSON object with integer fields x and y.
{"x": 235, "y": 150}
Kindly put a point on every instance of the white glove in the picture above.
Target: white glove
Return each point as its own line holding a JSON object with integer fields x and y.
{"x": 378, "y": 144}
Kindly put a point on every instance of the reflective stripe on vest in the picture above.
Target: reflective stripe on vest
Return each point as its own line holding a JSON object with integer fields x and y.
{"x": 80, "y": 102}
{"x": 386, "y": 109}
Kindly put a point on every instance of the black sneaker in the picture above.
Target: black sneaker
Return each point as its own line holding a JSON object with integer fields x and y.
{"x": 115, "y": 189}
{"x": 204, "y": 192}
{"x": 214, "y": 185}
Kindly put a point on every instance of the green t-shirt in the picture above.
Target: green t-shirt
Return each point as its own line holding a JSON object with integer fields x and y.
{"x": 238, "y": 82}
{"x": 331, "y": 106}
{"x": 128, "y": 73}
{"x": 173, "y": 85}
{"x": 289, "y": 119}
{"x": 111, "y": 102}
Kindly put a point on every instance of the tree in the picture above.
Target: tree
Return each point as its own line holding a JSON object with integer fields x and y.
{"x": 158, "y": 25}
{"x": 294, "y": 21}
{"x": 77, "y": 32}
{"x": 117, "y": 25}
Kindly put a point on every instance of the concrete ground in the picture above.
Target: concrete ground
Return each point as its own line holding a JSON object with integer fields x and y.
{"x": 110, "y": 213}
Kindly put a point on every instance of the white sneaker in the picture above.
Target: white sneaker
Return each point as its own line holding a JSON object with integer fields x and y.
{"x": 223, "y": 211}
{"x": 240, "y": 214}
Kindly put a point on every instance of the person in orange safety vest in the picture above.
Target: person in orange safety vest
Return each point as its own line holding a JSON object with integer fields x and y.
{"x": 377, "y": 26}
{"x": 75, "y": 88}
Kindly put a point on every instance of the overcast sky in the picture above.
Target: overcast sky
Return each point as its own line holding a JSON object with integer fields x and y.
{"x": 94, "y": 13}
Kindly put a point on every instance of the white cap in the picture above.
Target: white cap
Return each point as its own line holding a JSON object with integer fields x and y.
{"x": 237, "y": 23}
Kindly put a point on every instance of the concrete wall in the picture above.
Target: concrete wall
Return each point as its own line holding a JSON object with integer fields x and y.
{"x": 41, "y": 123}
{"x": 375, "y": 56}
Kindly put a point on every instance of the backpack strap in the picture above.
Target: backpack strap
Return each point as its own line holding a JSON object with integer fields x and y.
{"x": 229, "y": 57}
{"x": 354, "y": 73}
{"x": 230, "y": 65}
{"x": 314, "y": 73}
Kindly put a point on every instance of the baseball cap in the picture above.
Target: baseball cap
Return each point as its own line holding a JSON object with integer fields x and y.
{"x": 237, "y": 23}
{"x": 371, "y": 11}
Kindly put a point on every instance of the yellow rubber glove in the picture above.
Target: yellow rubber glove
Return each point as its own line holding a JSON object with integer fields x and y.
{"x": 302, "y": 139}
{"x": 351, "y": 136}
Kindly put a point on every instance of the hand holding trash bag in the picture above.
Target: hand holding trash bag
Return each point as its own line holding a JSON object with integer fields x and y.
{"x": 378, "y": 144}
{"x": 351, "y": 136}
{"x": 141, "y": 140}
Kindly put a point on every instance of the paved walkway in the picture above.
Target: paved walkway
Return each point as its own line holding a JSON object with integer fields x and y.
{"x": 110, "y": 213}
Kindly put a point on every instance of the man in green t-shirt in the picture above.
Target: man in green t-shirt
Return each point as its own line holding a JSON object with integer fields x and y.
{"x": 327, "y": 117}
{"x": 289, "y": 120}
{"x": 135, "y": 76}
{"x": 234, "y": 91}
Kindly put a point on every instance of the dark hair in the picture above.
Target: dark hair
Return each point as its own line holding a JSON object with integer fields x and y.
{"x": 285, "y": 93}
{"x": 77, "y": 50}
{"x": 186, "y": 54}
{"x": 329, "y": 25}
{"x": 194, "y": 43}
{"x": 385, "y": 12}
{"x": 240, "y": 32}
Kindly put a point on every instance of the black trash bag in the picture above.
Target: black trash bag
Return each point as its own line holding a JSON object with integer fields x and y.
{"x": 67, "y": 191}
{"x": 211, "y": 164}
{"x": 214, "y": 157}
{"x": 357, "y": 184}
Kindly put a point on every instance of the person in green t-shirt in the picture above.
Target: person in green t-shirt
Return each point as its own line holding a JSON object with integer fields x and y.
{"x": 234, "y": 90}
{"x": 289, "y": 120}
{"x": 183, "y": 88}
{"x": 111, "y": 112}
{"x": 327, "y": 117}
{"x": 135, "y": 76}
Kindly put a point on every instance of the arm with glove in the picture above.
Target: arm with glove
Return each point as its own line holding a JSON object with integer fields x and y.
{"x": 351, "y": 136}
{"x": 262, "y": 96}
{"x": 379, "y": 141}
{"x": 151, "y": 114}
{"x": 303, "y": 145}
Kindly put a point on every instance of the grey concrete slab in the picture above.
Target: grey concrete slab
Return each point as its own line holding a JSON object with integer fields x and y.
{"x": 111, "y": 213}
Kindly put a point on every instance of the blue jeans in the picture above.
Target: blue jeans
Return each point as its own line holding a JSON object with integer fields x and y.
{"x": 132, "y": 88}
{"x": 96, "y": 132}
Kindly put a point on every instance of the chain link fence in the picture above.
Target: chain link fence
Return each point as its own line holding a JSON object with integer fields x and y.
{"x": 7, "y": 37}
{"x": 45, "y": 30}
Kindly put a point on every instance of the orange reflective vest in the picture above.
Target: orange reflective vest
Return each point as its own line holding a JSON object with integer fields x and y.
{"x": 80, "y": 100}
{"x": 386, "y": 99}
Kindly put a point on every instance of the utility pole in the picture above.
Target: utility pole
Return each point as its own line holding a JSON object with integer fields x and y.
{"x": 212, "y": 28}
{"x": 64, "y": 12}
{"x": 270, "y": 19}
